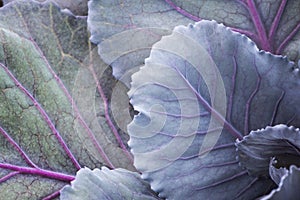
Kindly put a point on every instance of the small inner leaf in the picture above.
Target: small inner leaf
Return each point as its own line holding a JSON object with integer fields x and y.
{"x": 276, "y": 173}
{"x": 279, "y": 142}
{"x": 288, "y": 187}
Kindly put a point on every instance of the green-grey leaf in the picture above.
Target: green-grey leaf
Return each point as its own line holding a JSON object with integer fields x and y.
{"x": 126, "y": 30}
{"x": 279, "y": 142}
{"x": 105, "y": 184}
{"x": 288, "y": 186}
{"x": 51, "y": 110}
{"x": 78, "y": 7}
{"x": 201, "y": 88}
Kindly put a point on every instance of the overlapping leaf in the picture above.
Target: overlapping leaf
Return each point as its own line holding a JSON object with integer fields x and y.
{"x": 273, "y": 152}
{"x": 279, "y": 142}
{"x": 201, "y": 89}
{"x": 126, "y": 30}
{"x": 105, "y": 184}
{"x": 78, "y": 7}
{"x": 273, "y": 25}
{"x": 55, "y": 115}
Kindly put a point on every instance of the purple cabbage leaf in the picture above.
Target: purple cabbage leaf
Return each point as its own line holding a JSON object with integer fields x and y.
{"x": 273, "y": 152}
{"x": 54, "y": 102}
{"x": 280, "y": 142}
{"x": 202, "y": 88}
{"x": 273, "y": 25}
{"x": 78, "y": 7}
{"x": 125, "y": 30}
{"x": 288, "y": 187}
{"x": 117, "y": 184}
{"x": 199, "y": 93}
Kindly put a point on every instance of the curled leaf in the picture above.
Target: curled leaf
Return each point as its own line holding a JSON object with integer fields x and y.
{"x": 276, "y": 173}
{"x": 105, "y": 184}
{"x": 288, "y": 187}
{"x": 256, "y": 149}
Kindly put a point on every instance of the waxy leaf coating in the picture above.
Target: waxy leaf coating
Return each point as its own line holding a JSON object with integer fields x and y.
{"x": 126, "y": 30}
{"x": 105, "y": 184}
{"x": 203, "y": 87}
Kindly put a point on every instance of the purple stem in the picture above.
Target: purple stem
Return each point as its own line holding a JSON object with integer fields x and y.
{"x": 223, "y": 181}
{"x": 247, "y": 187}
{"x": 259, "y": 26}
{"x": 201, "y": 167}
{"x": 17, "y": 147}
{"x": 107, "y": 117}
{"x": 276, "y": 108}
{"x": 287, "y": 39}
{"x": 182, "y": 116}
{"x": 248, "y": 104}
{"x": 8, "y": 176}
{"x": 195, "y": 18}
{"x": 222, "y": 146}
{"x": 183, "y": 12}
{"x": 44, "y": 115}
{"x": 262, "y": 38}
{"x": 56, "y": 133}
{"x": 249, "y": 34}
{"x": 233, "y": 85}
{"x": 74, "y": 106}
{"x": 209, "y": 166}
{"x": 213, "y": 112}
{"x": 276, "y": 20}
{"x": 52, "y": 196}
{"x": 291, "y": 120}
{"x": 38, "y": 171}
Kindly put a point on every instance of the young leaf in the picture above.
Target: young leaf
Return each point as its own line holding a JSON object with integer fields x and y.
{"x": 117, "y": 184}
{"x": 203, "y": 87}
{"x": 279, "y": 142}
{"x": 47, "y": 131}
{"x": 273, "y": 25}
{"x": 276, "y": 173}
{"x": 288, "y": 186}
